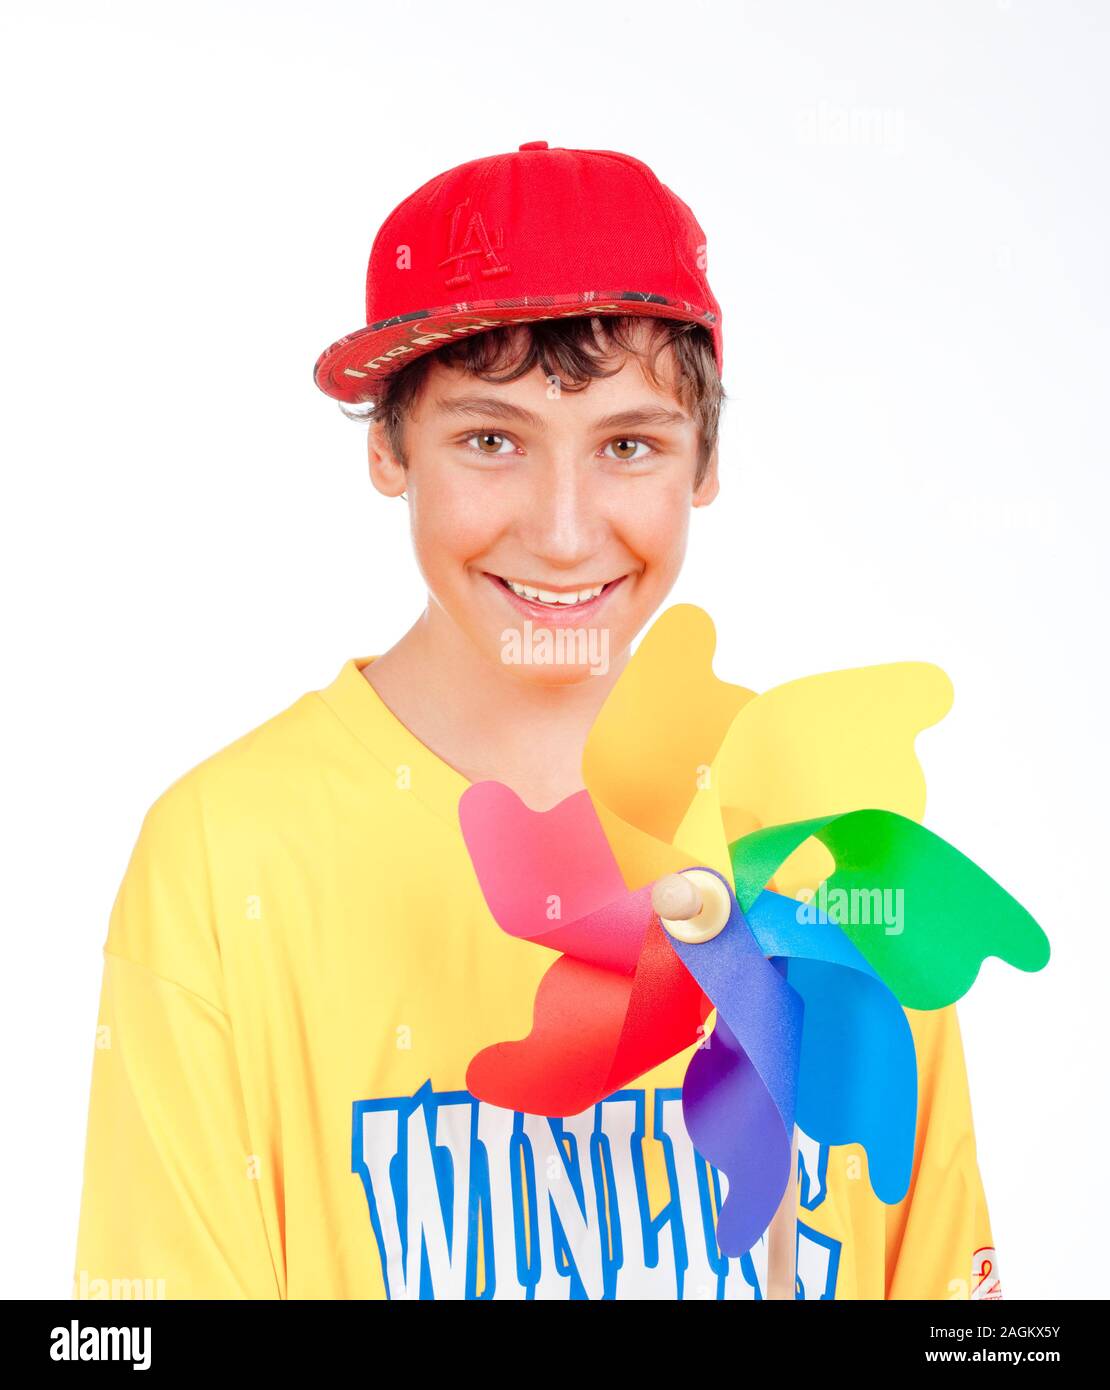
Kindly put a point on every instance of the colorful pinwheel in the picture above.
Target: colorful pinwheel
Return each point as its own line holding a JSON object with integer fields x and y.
{"x": 814, "y": 788}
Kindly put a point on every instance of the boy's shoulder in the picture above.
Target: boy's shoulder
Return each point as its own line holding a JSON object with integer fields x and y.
{"x": 262, "y": 750}
{"x": 235, "y": 806}
{"x": 247, "y": 782}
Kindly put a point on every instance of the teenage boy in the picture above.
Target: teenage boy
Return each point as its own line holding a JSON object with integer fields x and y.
{"x": 300, "y": 964}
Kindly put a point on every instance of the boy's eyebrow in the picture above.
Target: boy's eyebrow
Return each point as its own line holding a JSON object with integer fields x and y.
{"x": 622, "y": 419}
{"x": 641, "y": 415}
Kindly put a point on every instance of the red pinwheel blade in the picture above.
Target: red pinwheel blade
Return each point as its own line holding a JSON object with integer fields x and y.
{"x": 618, "y": 1002}
{"x": 595, "y": 1029}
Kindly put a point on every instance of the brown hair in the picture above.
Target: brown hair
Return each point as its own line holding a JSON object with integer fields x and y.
{"x": 576, "y": 350}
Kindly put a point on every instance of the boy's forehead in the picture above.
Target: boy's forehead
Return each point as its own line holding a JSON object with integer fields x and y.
{"x": 449, "y": 387}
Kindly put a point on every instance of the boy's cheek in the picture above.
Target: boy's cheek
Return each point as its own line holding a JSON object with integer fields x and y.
{"x": 658, "y": 531}
{"x": 451, "y": 532}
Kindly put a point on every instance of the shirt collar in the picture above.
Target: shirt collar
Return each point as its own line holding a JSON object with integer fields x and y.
{"x": 412, "y": 764}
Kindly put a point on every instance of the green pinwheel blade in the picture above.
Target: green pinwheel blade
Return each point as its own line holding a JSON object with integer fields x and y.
{"x": 923, "y": 915}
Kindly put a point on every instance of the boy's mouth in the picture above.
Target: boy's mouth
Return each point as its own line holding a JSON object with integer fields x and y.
{"x": 551, "y": 603}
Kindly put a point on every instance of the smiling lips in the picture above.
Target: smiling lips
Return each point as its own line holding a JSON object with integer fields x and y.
{"x": 564, "y": 596}
{"x": 554, "y": 605}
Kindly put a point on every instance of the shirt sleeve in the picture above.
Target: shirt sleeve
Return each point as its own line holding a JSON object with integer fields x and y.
{"x": 170, "y": 1205}
{"x": 938, "y": 1238}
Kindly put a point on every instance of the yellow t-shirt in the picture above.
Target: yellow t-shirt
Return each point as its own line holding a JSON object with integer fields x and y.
{"x": 299, "y": 966}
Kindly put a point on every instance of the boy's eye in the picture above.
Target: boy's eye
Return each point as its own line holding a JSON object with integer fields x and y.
{"x": 490, "y": 443}
{"x": 625, "y": 449}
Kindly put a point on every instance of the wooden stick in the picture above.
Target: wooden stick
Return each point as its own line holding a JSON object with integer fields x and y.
{"x": 782, "y": 1238}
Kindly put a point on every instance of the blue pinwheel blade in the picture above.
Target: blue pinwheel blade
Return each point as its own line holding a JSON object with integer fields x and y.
{"x": 857, "y": 1081}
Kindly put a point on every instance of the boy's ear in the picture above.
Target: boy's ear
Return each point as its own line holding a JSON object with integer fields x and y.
{"x": 710, "y": 485}
{"x": 387, "y": 475}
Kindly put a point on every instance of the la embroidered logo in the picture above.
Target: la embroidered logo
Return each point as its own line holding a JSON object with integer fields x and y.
{"x": 985, "y": 1281}
{"x": 467, "y": 237}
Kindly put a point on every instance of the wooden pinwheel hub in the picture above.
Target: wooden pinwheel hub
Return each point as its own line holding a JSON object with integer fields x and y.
{"x": 693, "y": 906}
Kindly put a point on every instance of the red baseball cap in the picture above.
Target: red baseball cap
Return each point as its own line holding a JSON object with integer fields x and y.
{"x": 539, "y": 233}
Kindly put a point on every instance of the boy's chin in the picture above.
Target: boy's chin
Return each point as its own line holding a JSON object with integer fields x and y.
{"x": 556, "y": 676}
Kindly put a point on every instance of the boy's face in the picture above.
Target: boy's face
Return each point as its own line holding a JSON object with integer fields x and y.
{"x": 582, "y": 495}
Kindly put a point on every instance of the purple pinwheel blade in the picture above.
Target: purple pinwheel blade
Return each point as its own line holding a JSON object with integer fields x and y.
{"x": 734, "y": 1123}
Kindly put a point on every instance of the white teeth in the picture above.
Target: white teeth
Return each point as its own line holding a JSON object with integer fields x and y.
{"x": 550, "y": 596}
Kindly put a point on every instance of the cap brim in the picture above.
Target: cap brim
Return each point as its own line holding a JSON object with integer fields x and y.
{"x": 355, "y": 367}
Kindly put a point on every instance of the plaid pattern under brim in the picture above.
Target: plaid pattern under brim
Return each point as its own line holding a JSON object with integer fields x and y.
{"x": 354, "y": 367}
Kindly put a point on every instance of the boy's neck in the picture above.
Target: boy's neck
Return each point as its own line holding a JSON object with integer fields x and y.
{"x": 484, "y": 721}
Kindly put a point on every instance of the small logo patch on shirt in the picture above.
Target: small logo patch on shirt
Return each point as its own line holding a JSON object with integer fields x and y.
{"x": 984, "y": 1274}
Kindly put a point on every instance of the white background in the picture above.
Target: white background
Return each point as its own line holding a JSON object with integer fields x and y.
{"x": 907, "y": 225}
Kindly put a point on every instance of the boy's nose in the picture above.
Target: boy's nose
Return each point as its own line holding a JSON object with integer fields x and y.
{"x": 564, "y": 521}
